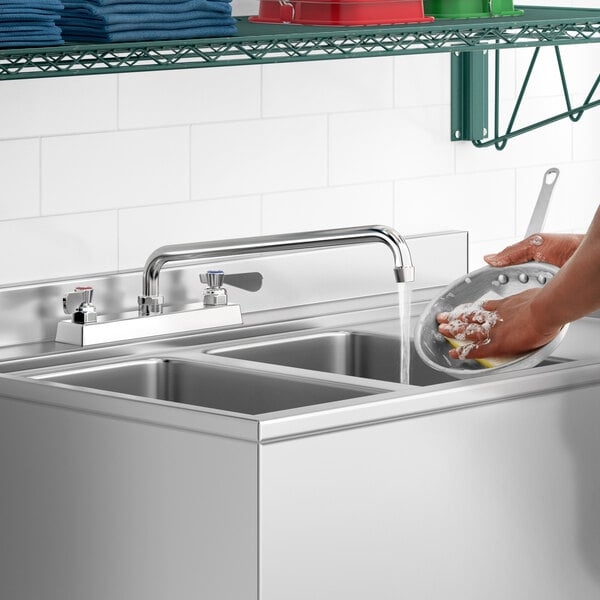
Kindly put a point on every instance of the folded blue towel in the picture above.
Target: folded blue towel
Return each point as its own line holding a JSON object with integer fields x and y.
{"x": 27, "y": 13}
{"x": 118, "y": 20}
{"x": 46, "y": 4}
{"x": 31, "y": 43}
{"x": 34, "y": 20}
{"x": 13, "y": 30}
{"x": 69, "y": 23}
{"x": 166, "y": 8}
{"x": 165, "y": 3}
{"x": 75, "y": 35}
{"x": 201, "y": 8}
{"x": 29, "y": 23}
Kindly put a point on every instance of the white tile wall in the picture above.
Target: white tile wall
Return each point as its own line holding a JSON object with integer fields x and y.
{"x": 575, "y": 197}
{"x": 421, "y": 80}
{"x": 389, "y": 144}
{"x": 586, "y": 136}
{"x": 156, "y": 99}
{"x": 327, "y": 86}
{"x": 344, "y": 206}
{"x": 96, "y": 171}
{"x": 233, "y": 159}
{"x": 141, "y": 230}
{"x": 482, "y": 203}
{"x": 36, "y": 107}
{"x": 49, "y": 247}
{"x": 19, "y": 179}
{"x": 112, "y": 170}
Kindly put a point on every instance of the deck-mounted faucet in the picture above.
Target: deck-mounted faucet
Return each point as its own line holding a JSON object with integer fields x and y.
{"x": 150, "y": 302}
{"x": 216, "y": 312}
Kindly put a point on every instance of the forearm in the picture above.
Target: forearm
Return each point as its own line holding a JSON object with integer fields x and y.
{"x": 575, "y": 291}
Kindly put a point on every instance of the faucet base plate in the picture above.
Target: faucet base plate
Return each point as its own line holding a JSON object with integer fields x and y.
{"x": 120, "y": 330}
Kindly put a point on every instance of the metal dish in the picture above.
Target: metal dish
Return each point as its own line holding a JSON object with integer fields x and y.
{"x": 487, "y": 282}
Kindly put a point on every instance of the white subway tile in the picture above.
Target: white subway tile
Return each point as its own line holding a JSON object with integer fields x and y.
{"x": 545, "y": 77}
{"x": 574, "y": 198}
{"x": 269, "y": 155}
{"x": 580, "y": 67}
{"x": 142, "y": 230}
{"x": 508, "y": 77}
{"x": 422, "y": 80}
{"x": 244, "y": 7}
{"x": 545, "y": 146}
{"x": 551, "y": 3}
{"x": 51, "y": 247}
{"x": 389, "y": 144}
{"x": 327, "y": 86}
{"x": 586, "y": 136}
{"x": 481, "y": 203}
{"x": 119, "y": 169}
{"x": 188, "y": 96}
{"x": 19, "y": 179}
{"x": 328, "y": 208}
{"x": 60, "y": 105}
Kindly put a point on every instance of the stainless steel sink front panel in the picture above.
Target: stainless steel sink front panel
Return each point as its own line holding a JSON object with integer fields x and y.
{"x": 206, "y": 385}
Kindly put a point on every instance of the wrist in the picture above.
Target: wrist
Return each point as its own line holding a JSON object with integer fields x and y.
{"x": 544, "y": 314}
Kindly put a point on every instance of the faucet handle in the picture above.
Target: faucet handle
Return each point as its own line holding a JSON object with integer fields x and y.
{"x": 78, "y": 304}
{"x": 250, "y": 282}
{"x": 215, "y": 294}
{"x": 214, "y": 278}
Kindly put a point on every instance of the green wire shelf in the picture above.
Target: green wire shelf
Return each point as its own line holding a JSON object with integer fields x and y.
{"x": 259, "y": 43}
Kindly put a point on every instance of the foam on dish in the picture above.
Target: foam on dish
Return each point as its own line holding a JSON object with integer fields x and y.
{"x": 482, "y": 319}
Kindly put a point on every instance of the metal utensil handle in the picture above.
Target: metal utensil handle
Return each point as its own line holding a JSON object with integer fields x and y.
{"x": 536, "y": 223}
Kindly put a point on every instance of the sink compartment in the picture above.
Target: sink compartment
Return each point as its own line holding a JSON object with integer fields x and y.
{"x": 343, "y": 352}
{"x": 206, "y": 385}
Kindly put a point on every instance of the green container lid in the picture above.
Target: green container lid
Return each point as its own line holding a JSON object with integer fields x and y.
{"x": 468, "y": 9}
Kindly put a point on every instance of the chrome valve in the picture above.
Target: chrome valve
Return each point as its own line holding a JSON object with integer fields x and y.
{"x": 215, "y": 294}
{"x": 79, "y": 305}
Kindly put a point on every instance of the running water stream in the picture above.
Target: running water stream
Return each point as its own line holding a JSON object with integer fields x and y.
{"x": 404, "y": 331}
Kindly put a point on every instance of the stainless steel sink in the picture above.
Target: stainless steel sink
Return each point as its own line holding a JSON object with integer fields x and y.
{"x": 206, "y": 385}
{"x": 347, "y": 353}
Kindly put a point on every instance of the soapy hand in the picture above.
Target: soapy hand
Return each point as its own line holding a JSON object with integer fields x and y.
{"x": 553, "y": 248}
{"x": 496, "y": 328}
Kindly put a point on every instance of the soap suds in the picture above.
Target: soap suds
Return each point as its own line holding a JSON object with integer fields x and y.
{"x": 470, "y": 319}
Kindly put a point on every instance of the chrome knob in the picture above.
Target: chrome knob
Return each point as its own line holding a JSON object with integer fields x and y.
{"x": 78, "y": 304}
{"x": 215, "y": 279}
{"x": 215, "y": 294}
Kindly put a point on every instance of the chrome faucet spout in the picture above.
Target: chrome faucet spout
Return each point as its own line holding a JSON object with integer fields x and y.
{"x": 150, "y": 302}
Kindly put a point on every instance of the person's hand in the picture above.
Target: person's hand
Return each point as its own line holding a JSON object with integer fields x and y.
{"x": 496, "y": 328}
{"x": 553, "y": 248}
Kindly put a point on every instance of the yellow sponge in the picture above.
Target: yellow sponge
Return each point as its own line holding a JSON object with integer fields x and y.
{"x": 488, "y": 363}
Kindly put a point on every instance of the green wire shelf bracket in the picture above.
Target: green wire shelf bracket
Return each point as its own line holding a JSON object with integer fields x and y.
{"x": 478, "y": 86}
{"x": 469, "y": 96}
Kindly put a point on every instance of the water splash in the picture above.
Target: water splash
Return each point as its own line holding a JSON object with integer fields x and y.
{"x": 404, "y": 331}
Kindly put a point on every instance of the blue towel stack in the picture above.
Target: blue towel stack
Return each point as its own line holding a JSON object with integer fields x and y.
{"x": 29, "y": 23}
{"x": 138, "y": 20}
